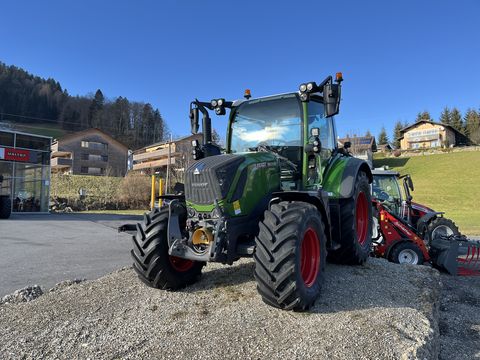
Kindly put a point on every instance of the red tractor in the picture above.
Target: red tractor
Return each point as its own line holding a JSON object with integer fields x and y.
{"x": 409, "y": 233}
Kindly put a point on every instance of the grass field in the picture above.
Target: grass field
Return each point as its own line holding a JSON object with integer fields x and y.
{"x": 44, "y": 129}
{"x": 447, "y": 182}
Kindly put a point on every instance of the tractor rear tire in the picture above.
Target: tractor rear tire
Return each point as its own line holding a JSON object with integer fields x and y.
{"x": 154, "y": 266}
{"x": 407, "y": 253}
{"x": 290, "y": 255}
{"x": 356, "y": 225}
{"x": 441, "y": 226}
{"x": 5, "y": 207}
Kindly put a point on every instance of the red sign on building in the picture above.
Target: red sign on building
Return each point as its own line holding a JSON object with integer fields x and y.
{"x": 14, "y": 154}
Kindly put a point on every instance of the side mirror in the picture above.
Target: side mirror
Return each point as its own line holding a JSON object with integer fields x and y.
{"x": 347, "y": 145}
{"x": 410, "y": 183}
{"x": 194, "y": 120}
{"x": 331, "y": 99}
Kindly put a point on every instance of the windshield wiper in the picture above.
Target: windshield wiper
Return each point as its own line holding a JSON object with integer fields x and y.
{"x": 266, "y": 148}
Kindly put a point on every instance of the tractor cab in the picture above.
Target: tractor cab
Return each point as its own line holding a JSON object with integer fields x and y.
{"x": 385, "y": 188}
{"x": 283, "y": 126}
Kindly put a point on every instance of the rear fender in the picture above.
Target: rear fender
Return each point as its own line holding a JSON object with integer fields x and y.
{"x": 340, "y": 177}
{"x": 317, "y": 198}
{"x": 423, "y": 222}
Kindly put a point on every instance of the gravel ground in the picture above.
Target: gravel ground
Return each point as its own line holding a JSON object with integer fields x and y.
{"x": 378, "y": 311}
{"x": 460, "y": 318}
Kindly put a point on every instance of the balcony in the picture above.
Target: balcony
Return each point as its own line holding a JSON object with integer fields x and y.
{"x": 60, "y": 163}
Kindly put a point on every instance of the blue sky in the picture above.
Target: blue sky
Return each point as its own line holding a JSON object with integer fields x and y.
{"x": 397, "y": 57}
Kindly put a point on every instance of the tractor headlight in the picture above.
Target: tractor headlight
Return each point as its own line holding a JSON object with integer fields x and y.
{"x": 310, "y": 86}
{"x": 191, "y": 212}
{"x": 303, "y": 96}
{"x": 220, "y": 102}
{"x": 303, "y": 88}
{"x": 213, "y": 103}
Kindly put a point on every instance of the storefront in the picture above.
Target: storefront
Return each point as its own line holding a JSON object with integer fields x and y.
{"x": 25, "y": 166}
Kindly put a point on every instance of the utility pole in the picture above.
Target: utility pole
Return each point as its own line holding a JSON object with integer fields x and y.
{"x": 169, "y": 163}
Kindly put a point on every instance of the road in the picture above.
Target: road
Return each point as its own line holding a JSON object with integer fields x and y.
{"x": 47, "y": 249}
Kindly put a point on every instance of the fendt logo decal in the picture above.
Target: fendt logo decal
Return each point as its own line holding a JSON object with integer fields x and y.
{"x": 198, "y": 168}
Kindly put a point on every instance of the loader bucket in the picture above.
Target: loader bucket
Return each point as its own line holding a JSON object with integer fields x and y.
{"x": 456, "y": 254}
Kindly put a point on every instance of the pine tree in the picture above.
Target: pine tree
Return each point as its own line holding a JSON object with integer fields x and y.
{"x": 397, "y": 134}
{"x": 96, "y": 109}
{"x": 368, "y": 134}
{"x": 472, "y": 125}
{"x": 445, "y": 116}
{"x": 456, "y": 118}
{"x": 383, "y": 137}
{"x": 425, "y": 115}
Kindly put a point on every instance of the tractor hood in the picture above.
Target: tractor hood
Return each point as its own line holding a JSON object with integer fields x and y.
{"x": 209, "y": 178}
{"x": 240, "y": 178}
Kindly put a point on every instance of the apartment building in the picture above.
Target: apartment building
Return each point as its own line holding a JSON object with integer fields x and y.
{"x": 89, "y": 152}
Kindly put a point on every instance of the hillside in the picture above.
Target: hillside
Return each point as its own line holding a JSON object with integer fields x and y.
{"x": 42, "y": 106}
{"x": 446, "y": 182}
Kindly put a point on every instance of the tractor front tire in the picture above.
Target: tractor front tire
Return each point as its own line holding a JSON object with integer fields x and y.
{"x": 154, "y": 266}
{"x": 407, "y": 253}
{"x": 290, "y": 255}
{"x": 356, "y": 225}
{"x": 5, "y": 207}
{"x": 441, "y": 226}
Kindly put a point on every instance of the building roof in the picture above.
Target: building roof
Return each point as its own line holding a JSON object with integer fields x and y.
{"x": 167, "y": 141}
{"x": 87, "y": 131}
{"x": 405, "y": 129}
{"x": 361, "y": 142}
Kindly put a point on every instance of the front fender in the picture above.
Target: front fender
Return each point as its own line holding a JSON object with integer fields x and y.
{"x": 340, "y": 177}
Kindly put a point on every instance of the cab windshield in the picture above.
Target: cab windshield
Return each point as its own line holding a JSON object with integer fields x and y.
{"x": 274, "y": 123}
{"x": 386, "y": 189}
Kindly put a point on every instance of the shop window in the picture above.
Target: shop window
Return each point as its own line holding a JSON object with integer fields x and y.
{"x": 84, "y": 170}
{"x": 6, "y": 138}
{"x": 84, "y": 156}
{"x": 30, "y": 188}
{"x": 32, "y": 142}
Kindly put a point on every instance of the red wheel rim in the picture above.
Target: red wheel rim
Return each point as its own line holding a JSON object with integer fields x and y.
{"x": 361, "y": 215}
{"x": 309, "y": 257}
{"x": 179, "y": 264}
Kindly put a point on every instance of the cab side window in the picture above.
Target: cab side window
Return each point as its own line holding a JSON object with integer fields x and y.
{"x": 316, "y": 119}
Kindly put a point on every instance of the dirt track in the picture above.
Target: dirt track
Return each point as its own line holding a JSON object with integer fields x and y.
{"x": 377, "y": 311}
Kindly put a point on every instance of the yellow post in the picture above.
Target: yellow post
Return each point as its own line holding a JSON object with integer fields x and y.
{"x": 160, "y": 192}
{"x": 152, "y": 197}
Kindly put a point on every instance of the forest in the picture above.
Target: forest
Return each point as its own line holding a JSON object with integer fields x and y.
{"x": 32, "y": 101}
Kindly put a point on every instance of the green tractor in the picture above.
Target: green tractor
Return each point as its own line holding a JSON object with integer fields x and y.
{"x": 282, "y": 193}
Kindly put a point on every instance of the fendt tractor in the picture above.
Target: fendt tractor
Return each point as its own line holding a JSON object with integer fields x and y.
{"x": 282, "y": 193}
